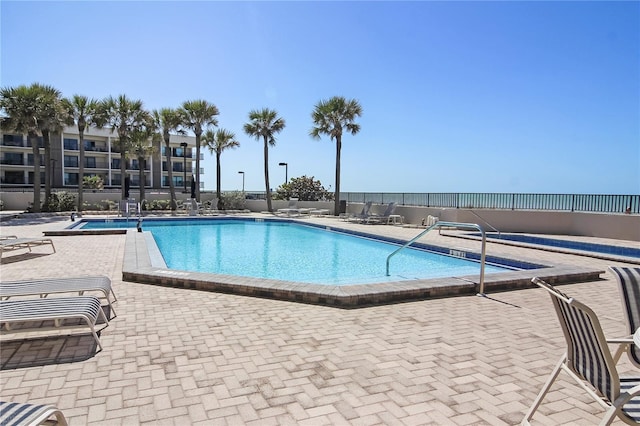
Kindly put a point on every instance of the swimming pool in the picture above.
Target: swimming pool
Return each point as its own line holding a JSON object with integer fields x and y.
{"x": 144, "y": 263}
{"x": 293, "y": 252}
{"x": 604, "y": 250}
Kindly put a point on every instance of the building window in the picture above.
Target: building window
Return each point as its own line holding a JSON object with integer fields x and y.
{"x": 13, "y": 177}
{"x": 89, "y": 145}
{"x": 40, "y": 142}
{"x": 30, "y": 160}
{"x": 71, "y": 144}
{"x": 13, "y": 158}
{"x": 115, "y": 163}
{"x": 71, "y": 179}
{"x": 41, "y": 178}
{"x": 70, "y": 161}
{"x": 90, "y": 162}
{"x": 12, "y": 140}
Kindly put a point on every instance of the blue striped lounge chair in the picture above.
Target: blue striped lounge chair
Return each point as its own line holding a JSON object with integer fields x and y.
{"x": 22, "y": 414}
{"x": 629, "y": 286}
{"x": 45, "y": 286}
{"x": 61, "y": 312}
{"x": 589, "y": 362}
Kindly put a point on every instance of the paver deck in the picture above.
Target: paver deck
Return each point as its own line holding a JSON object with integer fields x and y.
{"x": 178, "y": 356}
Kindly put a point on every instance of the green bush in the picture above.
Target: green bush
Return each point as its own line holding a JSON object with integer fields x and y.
{"x": 303, "y": 188}
{"x": 158, "y": 204}
{"x": 233, "y": 200}
{"x": 61, "y": 202}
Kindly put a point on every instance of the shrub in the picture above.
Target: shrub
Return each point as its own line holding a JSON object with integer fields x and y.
{"x": 233, "y": 200}
{"x": 61, "y": 202}
{"x": 303, "y": 188}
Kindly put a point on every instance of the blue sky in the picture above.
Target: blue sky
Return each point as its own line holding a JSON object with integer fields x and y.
{"x": 479, "y": 96}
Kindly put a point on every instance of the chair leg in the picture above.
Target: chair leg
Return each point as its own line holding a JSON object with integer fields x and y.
{"x": 544, "y": 390}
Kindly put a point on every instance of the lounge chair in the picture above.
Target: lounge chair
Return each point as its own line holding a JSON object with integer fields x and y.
{"x": 46, "y": 286}
{"x": 589, "y": 362}
{"x": 60, "y": 310}
{"x": 22, "y": 414}
{"x": 8, "y": 244}
{"x": 384, "y": 217}
{"x": 359, "y": 217}
{"x": 629, "y": 286}
{"x": 292, "y": 209}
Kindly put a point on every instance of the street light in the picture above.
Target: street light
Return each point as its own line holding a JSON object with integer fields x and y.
{"x": 242, "y": 173}
{"x": 184, "y": 164}
{"x": 286, "y": 171}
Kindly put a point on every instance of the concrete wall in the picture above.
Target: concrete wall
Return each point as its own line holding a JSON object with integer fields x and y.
{"x": 616, "y": 226}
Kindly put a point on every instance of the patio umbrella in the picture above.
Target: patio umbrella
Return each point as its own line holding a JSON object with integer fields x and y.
{"x": 193, "y": 187}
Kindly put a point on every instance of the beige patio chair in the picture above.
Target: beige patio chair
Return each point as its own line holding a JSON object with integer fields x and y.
{"x": 589, "y": 362}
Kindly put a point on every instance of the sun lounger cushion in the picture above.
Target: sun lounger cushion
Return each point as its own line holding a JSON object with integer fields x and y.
{"x": 87, "y": 309}
{"x": 17, "y": 414}
{"x": 46, "y": 286}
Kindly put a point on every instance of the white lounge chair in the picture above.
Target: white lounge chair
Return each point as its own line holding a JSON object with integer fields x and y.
{"x": 9, "y": 244}
{"x": 59, "y": 310}
{"x": 44, "y": 287}
{"x": 292, "y": 209}
{"x": 384, "y": 217}
{"x": 362, "y": 216}
{"x": 21, "y": 414}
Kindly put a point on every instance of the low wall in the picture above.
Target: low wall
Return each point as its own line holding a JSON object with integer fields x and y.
{"x": 602, "y": 225}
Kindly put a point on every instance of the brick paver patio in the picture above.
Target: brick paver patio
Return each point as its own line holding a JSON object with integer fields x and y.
{"x": 175, "y": 356}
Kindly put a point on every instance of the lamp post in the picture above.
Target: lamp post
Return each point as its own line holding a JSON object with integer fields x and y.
{"x": 286, "y": 171}
{"x": 242, "y": 173}
{"x": 184, "y": 164}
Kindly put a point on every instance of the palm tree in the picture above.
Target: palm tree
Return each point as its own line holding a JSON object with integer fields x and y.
{"x": 264, "y": 124}
{"x": 141, "y": 147}
{"x": 196, "y": 116}
{"x": 82, "y": 109}
{"x": 168, "y": 120}
{"x": 23, "y": 110}
{"x": 217, "y": 142}
{"x": 331, "y": 117}
{"x": 124, "y": 116}
{"x": 53, "y": 118}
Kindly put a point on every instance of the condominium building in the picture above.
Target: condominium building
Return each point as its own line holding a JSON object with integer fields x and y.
{"x": 102, "y": 158}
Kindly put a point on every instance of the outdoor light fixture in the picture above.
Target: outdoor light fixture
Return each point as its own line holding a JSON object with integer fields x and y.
{"x": 242, "y": 173}
{"x": 184, "y": 164}
{"x": 286, "y": 171}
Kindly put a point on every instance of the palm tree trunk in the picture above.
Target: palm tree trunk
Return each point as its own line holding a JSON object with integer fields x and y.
{"x": 33, "y": 137}
{"x": 81, "y": 170}
{"x": 336, "y": 205}
{"x": 266, "y": 173}
{"x": 196, "y": 174}
{"x": 123, "y": 172}
{"x": 218, "y": 185}
{"x": 172, "y": 188}
{"x": 47, "y": 169}
{"x": 141, "y": 162}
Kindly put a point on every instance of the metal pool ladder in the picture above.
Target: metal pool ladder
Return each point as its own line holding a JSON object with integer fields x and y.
{"x": 453, "y": 225}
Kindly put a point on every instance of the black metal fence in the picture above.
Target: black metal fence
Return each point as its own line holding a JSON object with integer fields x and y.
{"x": 593, "y": 203}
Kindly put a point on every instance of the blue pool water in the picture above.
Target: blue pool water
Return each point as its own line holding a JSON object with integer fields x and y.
{"x": 291, "y": 252}
{"x": 574, "y": 245}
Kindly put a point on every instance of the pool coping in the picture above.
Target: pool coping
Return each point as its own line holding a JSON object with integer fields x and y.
{"x": 143, "y": 263}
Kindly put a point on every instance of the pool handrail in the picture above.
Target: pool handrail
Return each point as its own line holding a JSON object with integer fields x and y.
{"x": 453, "y": 225}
